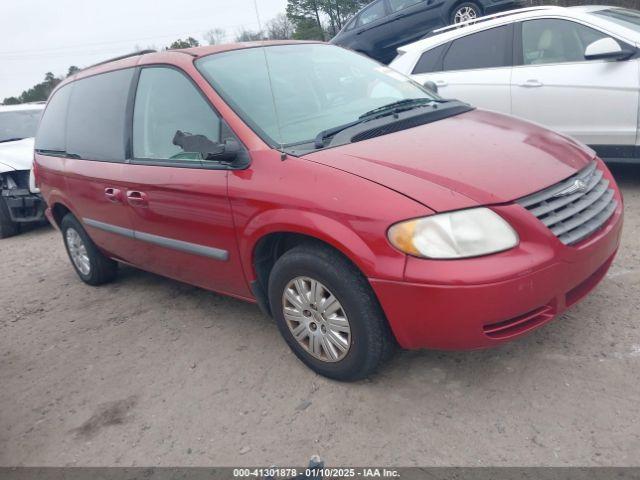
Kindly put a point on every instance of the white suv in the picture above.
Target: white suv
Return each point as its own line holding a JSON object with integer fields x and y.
{"x": 575, "y": 70}
{"x": 20, "y": 201}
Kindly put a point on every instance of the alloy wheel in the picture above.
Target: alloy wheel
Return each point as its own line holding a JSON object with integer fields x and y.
{"x": 316, "y": 319}
{"x": 465, "y": 14}
{"x": 78, "y": 251}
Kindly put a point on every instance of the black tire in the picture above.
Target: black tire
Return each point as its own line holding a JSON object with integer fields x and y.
{"x": 102, "y": 269}
{"x": 372, "y": 342}
{"x": 460, "y": 7}
{"x": 8, "y": 228}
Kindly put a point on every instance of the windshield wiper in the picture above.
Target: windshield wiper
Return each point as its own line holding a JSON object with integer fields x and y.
{"x": 330, "y": 132}
{"x": 11, "y": 139}
{"x": 385, "y": 110}
{"x": 399, "y": 106}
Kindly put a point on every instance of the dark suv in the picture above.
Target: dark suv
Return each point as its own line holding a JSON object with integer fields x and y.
{"x": 384, "y": 25}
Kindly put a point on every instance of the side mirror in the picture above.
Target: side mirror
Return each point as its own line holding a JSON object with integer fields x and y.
{"x": 210, "y": 150}
{"x": 226, "y": 152}
{"x": 431, "y": 86}
{"x": 606, "y": 48}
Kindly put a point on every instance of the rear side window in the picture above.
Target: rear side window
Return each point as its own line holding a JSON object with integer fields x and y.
{"x": 372, "y": 13}
{"x": 431, "y": 60}
{"x": 51, "y": 132}
{"x": 487, "y": 49}
{"x": 97, "y": 116}
{"x": 167, "y": 107}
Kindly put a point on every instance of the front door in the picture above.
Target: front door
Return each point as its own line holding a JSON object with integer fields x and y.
{"x": 178, "y": 200}
{"x": 594, "y": 101}
{"x": 414, "y": 19}
{"x": 374, "y": 31}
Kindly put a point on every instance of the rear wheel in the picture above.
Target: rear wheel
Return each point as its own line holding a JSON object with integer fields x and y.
{"x": 328, "y": 314}
{"x": 91, "y": 265}
{"x": 464, "y": 12}
{"x": 8, "y": 227}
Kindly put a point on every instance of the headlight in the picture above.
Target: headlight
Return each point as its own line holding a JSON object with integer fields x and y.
{"x": 8, "y": 183}
{"x": 461, "y": 234}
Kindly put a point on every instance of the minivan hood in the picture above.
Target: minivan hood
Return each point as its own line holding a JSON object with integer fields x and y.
{"x": 16, "y": 155}
{"x": 476, "y": 158}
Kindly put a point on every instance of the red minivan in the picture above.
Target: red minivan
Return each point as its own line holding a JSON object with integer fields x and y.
{"x": 355, "y": 207}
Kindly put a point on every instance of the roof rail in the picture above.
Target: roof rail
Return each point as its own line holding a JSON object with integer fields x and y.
{"x": 492, "y": 17}
{"x": 121, "y": 57}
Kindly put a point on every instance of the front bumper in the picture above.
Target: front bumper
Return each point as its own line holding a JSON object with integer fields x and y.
{"x": 483, "y": 302}
{"x": 24, "y": 206}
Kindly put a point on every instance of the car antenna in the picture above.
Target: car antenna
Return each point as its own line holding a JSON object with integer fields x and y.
{"x": 283, "y": 154}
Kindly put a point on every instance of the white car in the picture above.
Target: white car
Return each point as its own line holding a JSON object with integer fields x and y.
{"x": 575, "y": 70}
{"x": 20, "y": 201}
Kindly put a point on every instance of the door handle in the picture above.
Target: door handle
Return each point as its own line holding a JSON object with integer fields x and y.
{"x": 532, "y": 84}
{"x": 113, "y": 194}
{"x": 441, "y": 83}
{"x": 137, "y": 199}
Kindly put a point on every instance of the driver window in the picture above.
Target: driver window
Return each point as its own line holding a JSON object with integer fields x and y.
{"x": 372, "y": 13}
{"x": 397, "y": 5}
{"x": 168, "y": 107}
{"x": 556, "y": 41}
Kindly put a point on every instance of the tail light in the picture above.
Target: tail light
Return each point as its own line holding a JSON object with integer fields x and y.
{"x": 34, "y": 181}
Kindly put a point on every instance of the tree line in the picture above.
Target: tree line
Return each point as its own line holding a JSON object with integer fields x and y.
{"x": 303, "y": 20}
{"x": 40, "y": 92}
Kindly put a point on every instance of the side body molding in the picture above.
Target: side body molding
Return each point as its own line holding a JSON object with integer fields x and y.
{"x": 187, "y": 247}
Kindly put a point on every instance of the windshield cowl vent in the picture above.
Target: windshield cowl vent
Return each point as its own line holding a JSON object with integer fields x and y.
{"x": 411, "y": 122}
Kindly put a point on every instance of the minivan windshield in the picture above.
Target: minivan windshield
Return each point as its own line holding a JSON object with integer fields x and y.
{"x": 19, "y": 124}
{"x": 622, "y": 16}
{"x": 289, "y": 94}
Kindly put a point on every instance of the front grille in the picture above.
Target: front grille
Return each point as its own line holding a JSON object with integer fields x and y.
{"x": 575, "y": 208}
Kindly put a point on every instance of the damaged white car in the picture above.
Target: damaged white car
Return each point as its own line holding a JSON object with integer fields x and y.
{"x": 20, "y": 200}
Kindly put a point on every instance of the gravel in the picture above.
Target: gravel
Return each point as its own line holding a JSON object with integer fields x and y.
{"x": 107, "y": 376}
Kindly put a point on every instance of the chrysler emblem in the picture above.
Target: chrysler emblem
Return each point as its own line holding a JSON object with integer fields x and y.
{"x": 577, "y": 186}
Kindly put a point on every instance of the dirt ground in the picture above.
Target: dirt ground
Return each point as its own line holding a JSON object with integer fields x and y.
{"x": 148, "y": 371}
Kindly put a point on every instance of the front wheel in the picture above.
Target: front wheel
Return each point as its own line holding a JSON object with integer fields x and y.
{"x": 464, "y": 12}
{"x": 328, "y": 314}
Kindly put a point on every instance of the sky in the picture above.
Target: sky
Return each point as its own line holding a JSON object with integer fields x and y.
{"x": 39, "y": 36}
